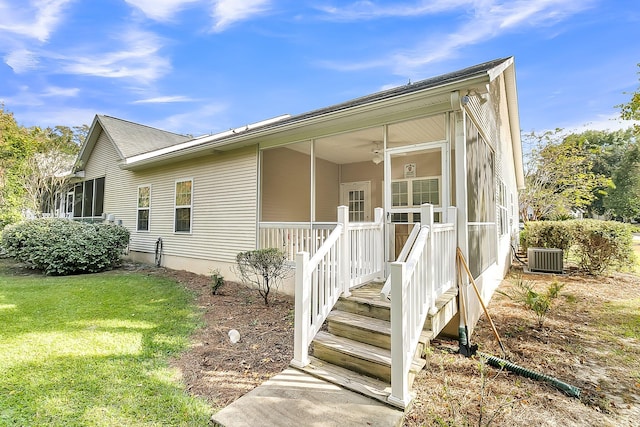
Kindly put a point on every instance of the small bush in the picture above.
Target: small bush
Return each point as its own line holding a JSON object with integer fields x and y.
{"x": 216, "y": 281}
{"x": 603, "y": 244}
{"x": 60, "y": 247}
{"x": 540, "y": 303}
{"x": 263, "y": 268}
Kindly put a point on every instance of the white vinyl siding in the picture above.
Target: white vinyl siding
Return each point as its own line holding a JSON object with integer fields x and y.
{"x": 224, "y": 205}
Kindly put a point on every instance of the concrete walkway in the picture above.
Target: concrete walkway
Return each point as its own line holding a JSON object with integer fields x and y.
{"x": 294, "y": 398}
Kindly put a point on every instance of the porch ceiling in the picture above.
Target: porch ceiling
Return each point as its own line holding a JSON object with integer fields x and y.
{"x": 359, "y": 145}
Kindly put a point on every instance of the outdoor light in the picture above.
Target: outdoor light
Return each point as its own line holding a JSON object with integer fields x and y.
{"x": 377, "y": 154}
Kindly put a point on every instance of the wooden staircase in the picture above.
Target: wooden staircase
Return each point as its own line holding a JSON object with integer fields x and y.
{"x": 353, "y": 351}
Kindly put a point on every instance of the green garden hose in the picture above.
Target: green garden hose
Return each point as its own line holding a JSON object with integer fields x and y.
{"x": 501, "y": 363}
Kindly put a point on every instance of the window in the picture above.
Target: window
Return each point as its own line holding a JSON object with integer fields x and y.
{"x": 88, "y": 198}
{"x": 415, "y": 192}
{"x": 502, "y": 208}
{"x": 144, "y": 206}
{"x": 183, "y": 204}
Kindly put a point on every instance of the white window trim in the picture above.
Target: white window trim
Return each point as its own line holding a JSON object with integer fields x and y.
{"x": 502, "y": 211}
{"x": 175, "y": 207}
{"x": 138, "y": 208}
{"x": 410, "y": 190}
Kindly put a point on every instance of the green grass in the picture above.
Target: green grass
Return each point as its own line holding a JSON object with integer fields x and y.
{"x": 92, "y": 350}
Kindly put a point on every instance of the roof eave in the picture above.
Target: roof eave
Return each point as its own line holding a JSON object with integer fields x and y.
{"x": 251, "y": 137}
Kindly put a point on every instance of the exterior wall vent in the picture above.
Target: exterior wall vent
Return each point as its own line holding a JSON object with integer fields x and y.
{"x": 545, "y": 260}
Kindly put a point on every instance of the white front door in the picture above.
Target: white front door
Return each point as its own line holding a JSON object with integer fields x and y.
{"x": 357, "y": 197}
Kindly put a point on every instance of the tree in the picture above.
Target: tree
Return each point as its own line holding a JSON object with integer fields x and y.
{"x": 624, "y": 199}
{"x": 631, "y": 110}
{"x": 32, "y": 165}
{"x": 263, "y": 268}
{"x": 606, "y": 150}
{"x": 558, "y": 176}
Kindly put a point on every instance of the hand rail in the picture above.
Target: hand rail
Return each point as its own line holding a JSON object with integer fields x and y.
{"x": 414, "y": 292}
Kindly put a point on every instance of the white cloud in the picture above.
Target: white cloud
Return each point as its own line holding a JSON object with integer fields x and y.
{"x": 196, "y": 122}
{"x": 160, "y": 10}
{"x": 55, "y": 91}
{"x": 604, "y": 122}
{"x": 365, "y": 10}
{"x": 21, "y": 60}
{"x": 164, "y": 100}
{"x": 34, "y": 19}
{"x": 487, "y": 19}
{"x": 227, "y": 12}
{"x": 137, "y": 59}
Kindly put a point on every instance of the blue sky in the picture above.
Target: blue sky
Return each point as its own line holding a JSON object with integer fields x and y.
{"x": 204, "y": 66}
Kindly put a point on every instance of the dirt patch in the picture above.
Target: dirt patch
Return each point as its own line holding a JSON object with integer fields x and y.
{"x": 583, "y": 343}
{"x": 217, "y": 369}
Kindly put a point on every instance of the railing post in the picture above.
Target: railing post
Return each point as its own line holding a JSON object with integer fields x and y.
{"x": 399, "y": 362}
{"x": 345, "y": 250}
{"x": 302, "y": 311}
{"x": 426, "y": 218}
{"x": 379, "y": 243}
{"x": 452, "y": 213}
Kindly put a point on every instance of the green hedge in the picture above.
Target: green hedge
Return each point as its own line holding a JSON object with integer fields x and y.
{"x": 598, "y": 245}
{"x": 61, "y": 247}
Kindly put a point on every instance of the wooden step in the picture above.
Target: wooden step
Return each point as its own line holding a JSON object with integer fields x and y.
{"x": 447, "y": 305}
{"x": 348, "y": 379}
{"x": 365, "y": 307}
{"x": 365, "y": 329}
{"x": 359, "y": 357}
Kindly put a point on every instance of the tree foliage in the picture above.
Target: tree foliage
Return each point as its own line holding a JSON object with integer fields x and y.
{"x": 33, "y": 162}
{"x": 559, "y": 176}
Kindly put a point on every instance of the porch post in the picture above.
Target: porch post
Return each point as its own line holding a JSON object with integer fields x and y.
{"x": 345, "y": 250}
{"x": 426, "y": 218}
{"x": 399, "y": 330}
{"x": 379, "y": 241}
{"x": 302, "y": 311}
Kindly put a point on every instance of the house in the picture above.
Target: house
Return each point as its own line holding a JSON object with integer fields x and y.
{"x": 422, "y": 169}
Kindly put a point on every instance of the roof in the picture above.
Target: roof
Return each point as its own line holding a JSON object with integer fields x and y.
{"x": 140, "y": 145}
{"x": 444, "y": 79}
{"x": 131, "y": 138}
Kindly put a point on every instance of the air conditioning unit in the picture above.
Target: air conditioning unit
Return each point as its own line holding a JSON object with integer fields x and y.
{"x": 545, "y": 260}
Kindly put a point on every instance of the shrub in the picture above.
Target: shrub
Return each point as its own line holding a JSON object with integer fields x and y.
{"x": 216, "y": 281}
{"x": 599, "y": 245}
{"x": 548, "y": 234}
{"x": 523, "y": 293}
{"x": 603, "y": 244}
{"x": 60, "y": 247}
{"x": 263, "y": 268}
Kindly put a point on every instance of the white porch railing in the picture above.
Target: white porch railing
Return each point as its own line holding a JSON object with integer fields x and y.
{"x": 349, "y": 256}
{"x": 366, "y": 243}
{"x": 294, "y": 237}
{"x": 428, "y": 272}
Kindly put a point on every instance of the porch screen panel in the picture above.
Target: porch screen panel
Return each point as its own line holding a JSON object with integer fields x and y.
{"x": 77, "y": 200}
{"x": 87, "y": 202}
{"x": 98, "y": 200}
{"x": 481, "y": 202}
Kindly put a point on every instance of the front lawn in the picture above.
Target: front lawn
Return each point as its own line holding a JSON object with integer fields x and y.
{"x": 93, "y": 350}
